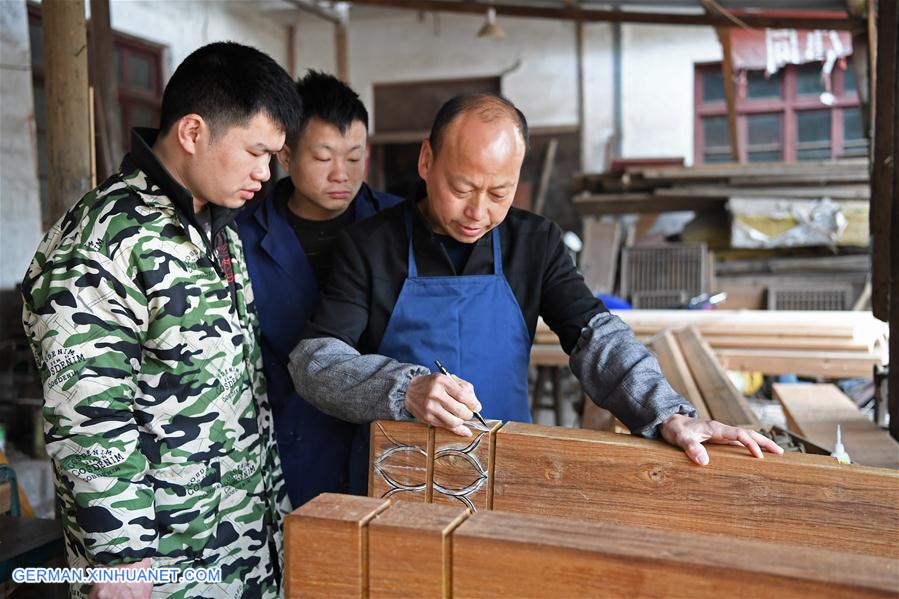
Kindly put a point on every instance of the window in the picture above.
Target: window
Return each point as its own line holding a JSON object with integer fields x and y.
{"x": 779, "y": 118}
{"x": 139, "y": 73}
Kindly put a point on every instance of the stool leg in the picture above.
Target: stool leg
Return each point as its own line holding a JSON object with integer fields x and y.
{"x": 538, "y": 391}
{"x": 557, "y": 394}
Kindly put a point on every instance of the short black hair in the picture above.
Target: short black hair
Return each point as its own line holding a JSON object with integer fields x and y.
{"x": 489, "y": 107}
{"x": 228, "y": 84}
{"x": 328, "y": 98}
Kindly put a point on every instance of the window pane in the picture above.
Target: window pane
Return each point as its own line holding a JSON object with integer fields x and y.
{"x": 758, "y": 86}
{"x": 715, "y": 132}
{"x": 849, "y": 81}
{"x": 710, "y": 157}
{"x": 813, "y": 154}
{"x": 764, "y": 129}
{"x": 36, "y": 35}
{"x": 765, "y": 156}
{"x": 852, "y": 124}
{"x": 140, "y": 71}
{"x": 712, "y": 86}
{"x": 808, "y": 80}
{"x": 813, "y": 125}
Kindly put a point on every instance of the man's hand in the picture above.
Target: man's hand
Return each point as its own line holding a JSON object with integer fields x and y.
{"x": 121, "y": 590}
{"x": 689, "y": 434}
{"x": 443, "y": 401}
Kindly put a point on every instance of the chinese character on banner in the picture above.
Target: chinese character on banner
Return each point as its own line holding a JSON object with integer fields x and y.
{"x": 781, "y": 48}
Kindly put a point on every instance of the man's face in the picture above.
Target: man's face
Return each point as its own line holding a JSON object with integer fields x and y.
{"x": 472, "y": 181}
{"x": 327, "y": 168}
{"x": 229, "y": 169}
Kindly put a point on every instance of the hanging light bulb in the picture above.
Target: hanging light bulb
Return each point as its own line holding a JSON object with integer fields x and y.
{"x": 490, "y": 29}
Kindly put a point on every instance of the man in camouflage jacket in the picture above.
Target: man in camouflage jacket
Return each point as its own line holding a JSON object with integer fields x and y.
{"x": 141, "y": 318}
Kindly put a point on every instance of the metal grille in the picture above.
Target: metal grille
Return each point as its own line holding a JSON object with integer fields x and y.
{"x": 810, "y": 297}
{"x": 659, "y": 300}
{"x": 673, "y": 268}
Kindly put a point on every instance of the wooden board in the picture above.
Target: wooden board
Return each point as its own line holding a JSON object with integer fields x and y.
{"x": 399, "y": 460}
{"x": 814, "y": 411}
{"x": 326, "y": 546}
{"x": 509, "y": 555}
{"x": 599, "y": 258}
{"x": 724, "y": 402}
{"x": 675, "y": 368}
{"x": 462, "y": 466}
{"x": 794, "y": 498}
{"x": 827, "y": 364}
{"x": 410, "y": 553}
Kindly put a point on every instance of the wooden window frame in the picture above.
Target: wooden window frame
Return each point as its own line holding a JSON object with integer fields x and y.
{"x": 788, "y": 105}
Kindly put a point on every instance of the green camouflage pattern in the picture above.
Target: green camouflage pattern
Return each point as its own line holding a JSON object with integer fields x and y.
{"x": 155, "y": 409}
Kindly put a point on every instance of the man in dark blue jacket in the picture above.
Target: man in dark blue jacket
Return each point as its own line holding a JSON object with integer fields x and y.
{"x": 289, "y": 241}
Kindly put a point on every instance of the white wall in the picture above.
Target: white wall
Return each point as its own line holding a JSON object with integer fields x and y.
{"x": 657, "y": 70}
{"x": 20, "y": 216}
{"x": 185, "y": 25}
{"x": 657, "y": 81}
{"x": 401, "y": 48}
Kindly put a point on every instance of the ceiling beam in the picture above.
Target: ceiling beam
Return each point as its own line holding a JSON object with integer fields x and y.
{"x": 577, "y": 13}
{"x": 312, "y": 8}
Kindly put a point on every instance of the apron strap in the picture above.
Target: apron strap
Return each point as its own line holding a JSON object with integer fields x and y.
{"x": 413, "y": 268}
{"x": 497, "y": 252}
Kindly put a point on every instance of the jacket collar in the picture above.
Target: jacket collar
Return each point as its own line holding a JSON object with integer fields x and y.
{"x": 169, "y": 190}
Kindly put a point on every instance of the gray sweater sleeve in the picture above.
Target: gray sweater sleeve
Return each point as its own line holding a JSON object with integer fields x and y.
{"x": 341, "y": 382}
{"x": 619, "y": 374}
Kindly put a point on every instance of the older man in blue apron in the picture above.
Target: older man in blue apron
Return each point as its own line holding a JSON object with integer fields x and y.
{"x": 460, "y": 276}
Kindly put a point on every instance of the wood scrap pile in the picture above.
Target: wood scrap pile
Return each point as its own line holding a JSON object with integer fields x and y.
{"x": 709, "y": 186}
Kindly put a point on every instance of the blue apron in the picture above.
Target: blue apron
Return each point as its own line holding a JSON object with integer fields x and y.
{"x": 473, "y": 325}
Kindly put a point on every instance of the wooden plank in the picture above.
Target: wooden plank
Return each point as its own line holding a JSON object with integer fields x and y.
{"x": 462, "y": 466}
{"x": 326, "y": 546}
{"x": 675, "y": 368}
{"x": 827, "y": 364}
{"x": 599, "y": 258}
{"x": 814, "y": 411}
{"x": 794, "y": 498}
{"x": 511, "y": 555}
{"x": 724, "y": 402}
{"x": 632, "y": 203}
{"x": 836, "y": 192}
{"x": 399, "y": 460}
{"x": 410, "y": 554}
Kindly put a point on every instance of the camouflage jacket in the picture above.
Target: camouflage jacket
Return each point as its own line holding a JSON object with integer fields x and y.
{"x": 155, "y": 410}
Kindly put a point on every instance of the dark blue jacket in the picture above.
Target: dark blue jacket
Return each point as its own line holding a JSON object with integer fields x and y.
{"x": 315, "y": 448}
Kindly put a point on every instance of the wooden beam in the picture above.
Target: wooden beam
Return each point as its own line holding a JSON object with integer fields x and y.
{"x": 826, "y": 364}
{"x": 410, "y": 550}
{"x": 727, "y": 74}
{"x": 342, "y": 52}
{"x": 884, "y": 162}
{"x": 326, "y": 546}
{"x": 573, "y": 13}
{"x": 314, "y": 9}
{"x": 674, "y": 366}
{"x": 794, "y": 498}
{"x": 814, "y": 411}
{"x": 514, "y": 555}
{"x": 69, "y": 138}
{"x": 630, "y": 203}
{"x": 724, "y": 402}
{"x": 106, "y": 90}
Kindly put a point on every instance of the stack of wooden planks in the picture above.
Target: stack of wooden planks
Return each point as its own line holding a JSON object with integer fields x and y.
{"x": 710, "y": 186}
{"x": 814, "y": 411}
{"x": 374, "y": 548}
{"x": 605, "y": 477}
{"x": 575, "y": 513}
{"x": 826, "y": 344}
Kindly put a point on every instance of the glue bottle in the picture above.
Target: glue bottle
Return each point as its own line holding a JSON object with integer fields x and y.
{"x": 839, "y": 452}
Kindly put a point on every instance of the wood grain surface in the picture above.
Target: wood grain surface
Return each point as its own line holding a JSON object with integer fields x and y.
{"x": 401, "y": 455}
{"x": 461, "y": 471}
